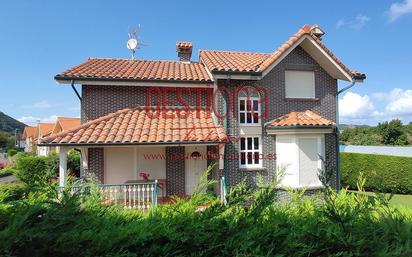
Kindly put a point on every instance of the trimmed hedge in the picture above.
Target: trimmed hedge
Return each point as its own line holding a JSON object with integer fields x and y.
{"x": 35, "y": 170}
{"x": 383, "y": 173}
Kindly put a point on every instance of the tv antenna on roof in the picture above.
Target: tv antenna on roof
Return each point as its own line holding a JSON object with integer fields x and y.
{"x": 134, "y": 43}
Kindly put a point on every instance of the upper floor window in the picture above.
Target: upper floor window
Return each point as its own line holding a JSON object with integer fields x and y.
{"x": 249, "y": 107}
{"x": 300, "y": 84}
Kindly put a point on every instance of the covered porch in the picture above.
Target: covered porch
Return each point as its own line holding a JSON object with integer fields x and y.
{"x": 142, "y": 176}
{"x": 139, "y": 161}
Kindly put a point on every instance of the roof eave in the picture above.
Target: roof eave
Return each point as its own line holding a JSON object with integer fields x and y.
{"x": 69, "y": 79}
{"x": 271, "y": 127}
{"x": 132, "y": 143}
{"x": 255, "y": 73}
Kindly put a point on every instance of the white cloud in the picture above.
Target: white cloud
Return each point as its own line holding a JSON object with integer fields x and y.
{"x": 32, "y": 120}
{"x": 355, "y": 106}
{"x": 397, "y": 103}
{"x": 396, "y": 10}
{"x": 39, "y": 105}
{"x": 400, "y": 102}
{"x": 357, "y": 23}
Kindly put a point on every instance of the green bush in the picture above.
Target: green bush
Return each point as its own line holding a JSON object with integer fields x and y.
{"x": 383, "y": 173}
{"x": 35, "y": 171}
{"x": 12, "y": 191}
{"x": 11, "y": 152}
{"x": 343, "y": 225}
{"x": 5, "y": 172}
{"x": 73, "y": 162}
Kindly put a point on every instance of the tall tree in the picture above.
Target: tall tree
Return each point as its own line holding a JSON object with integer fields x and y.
{"x": 392, "y": 133}
{"x": 6, "y": 140}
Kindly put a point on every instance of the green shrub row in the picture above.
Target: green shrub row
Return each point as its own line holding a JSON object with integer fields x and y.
{"x": 12, "y": 191}
{"x": 38, "y": 170}
{"x": 343, "y": 225}
{"x": 383, "y": 173}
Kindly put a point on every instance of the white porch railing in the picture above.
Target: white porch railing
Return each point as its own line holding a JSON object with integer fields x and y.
{"x": 141, "y": 196}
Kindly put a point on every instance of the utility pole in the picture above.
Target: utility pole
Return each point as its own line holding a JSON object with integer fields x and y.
{"x": 15, "y": 137}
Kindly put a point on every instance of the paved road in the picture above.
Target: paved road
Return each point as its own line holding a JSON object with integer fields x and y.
{"x": 7, "y": 179}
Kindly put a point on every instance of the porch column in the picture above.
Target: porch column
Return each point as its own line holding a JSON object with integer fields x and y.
{"x": 63, "y": 166}
{"x": 84, "y": 153}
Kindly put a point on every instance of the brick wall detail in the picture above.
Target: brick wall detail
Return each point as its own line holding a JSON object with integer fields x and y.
{"x": 175, "y": 170}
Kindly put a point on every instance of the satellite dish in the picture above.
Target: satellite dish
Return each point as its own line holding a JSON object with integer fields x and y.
{"x": 132, "y": 44}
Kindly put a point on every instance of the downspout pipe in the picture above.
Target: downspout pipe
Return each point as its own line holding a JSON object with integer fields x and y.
{"x": 75, "y": 90}
{"x": 356, "y": 78}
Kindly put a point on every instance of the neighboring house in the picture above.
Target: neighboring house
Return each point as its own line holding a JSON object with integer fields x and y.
{"x": 29, "y": 135}
{"x": 249, "y": 112}
{"x": 64, "y": 124}
{"x": 43, "y": 130}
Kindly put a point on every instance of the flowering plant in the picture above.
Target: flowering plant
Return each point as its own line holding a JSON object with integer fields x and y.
{"x": 144, "y": 175}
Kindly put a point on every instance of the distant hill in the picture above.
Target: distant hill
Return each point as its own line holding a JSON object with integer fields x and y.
{"x": 8, "y": 124}
{"x": 349, "y": 126}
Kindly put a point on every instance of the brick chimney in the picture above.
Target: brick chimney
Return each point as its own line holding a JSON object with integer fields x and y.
{"x": 184, "y": 51}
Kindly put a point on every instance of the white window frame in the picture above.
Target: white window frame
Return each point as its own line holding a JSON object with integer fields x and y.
{"x": 245, "y": 111}
{"x": 253, "y": 151}
{"x": 287, "y": 85}
{"x": 293, "y": 169}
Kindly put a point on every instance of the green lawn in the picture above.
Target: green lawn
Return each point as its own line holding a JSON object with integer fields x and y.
{"x": 398, "y": 200}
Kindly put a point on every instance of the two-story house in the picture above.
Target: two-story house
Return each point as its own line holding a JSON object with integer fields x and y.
{"x": 249, "y": 112}
{"x": 43, "y": 130}
{"x": 29, "y": 135}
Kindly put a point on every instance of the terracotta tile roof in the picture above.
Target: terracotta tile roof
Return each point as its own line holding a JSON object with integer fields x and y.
{"x": 125, "y": 69}
{"x": 305, "y": 30}
{"x": 297, "y": 119}
{"x": 45, "y": 128}
{"x": 231, "y": 61}
{"x": 249, "y": 61}
{"x": 29, "y": 132}
{"x": 225, "y": 61}
{"x": 139, "y": 126}
{"x": 65, "y": 123}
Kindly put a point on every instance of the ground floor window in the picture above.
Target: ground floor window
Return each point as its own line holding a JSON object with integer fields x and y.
{"x": 300, "y": 158}
{"x": 250, "y": 152}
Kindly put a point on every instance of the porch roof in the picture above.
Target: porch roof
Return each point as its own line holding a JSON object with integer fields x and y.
{"x": 144, "y": 125}
{"x": 300, "y": 119}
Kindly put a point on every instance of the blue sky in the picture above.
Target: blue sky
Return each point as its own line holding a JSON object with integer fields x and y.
{"x": 42, "y": 38}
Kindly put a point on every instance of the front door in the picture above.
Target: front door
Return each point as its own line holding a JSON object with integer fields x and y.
{"x": 196, "y": 164}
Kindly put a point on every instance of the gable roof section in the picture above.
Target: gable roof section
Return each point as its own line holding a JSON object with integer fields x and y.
{"x": 210, "y": 61}
{"x": 138, "y": 126}
{"x": 227, "y": 61}
{"x": 300, "y": 119}
{"x": 45, "y": 129}
{"x": 29, "y": 132}
{"x": 65, "y": 123}
{"x": 232, "y": 61}
{"x": 136, "y": 70}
